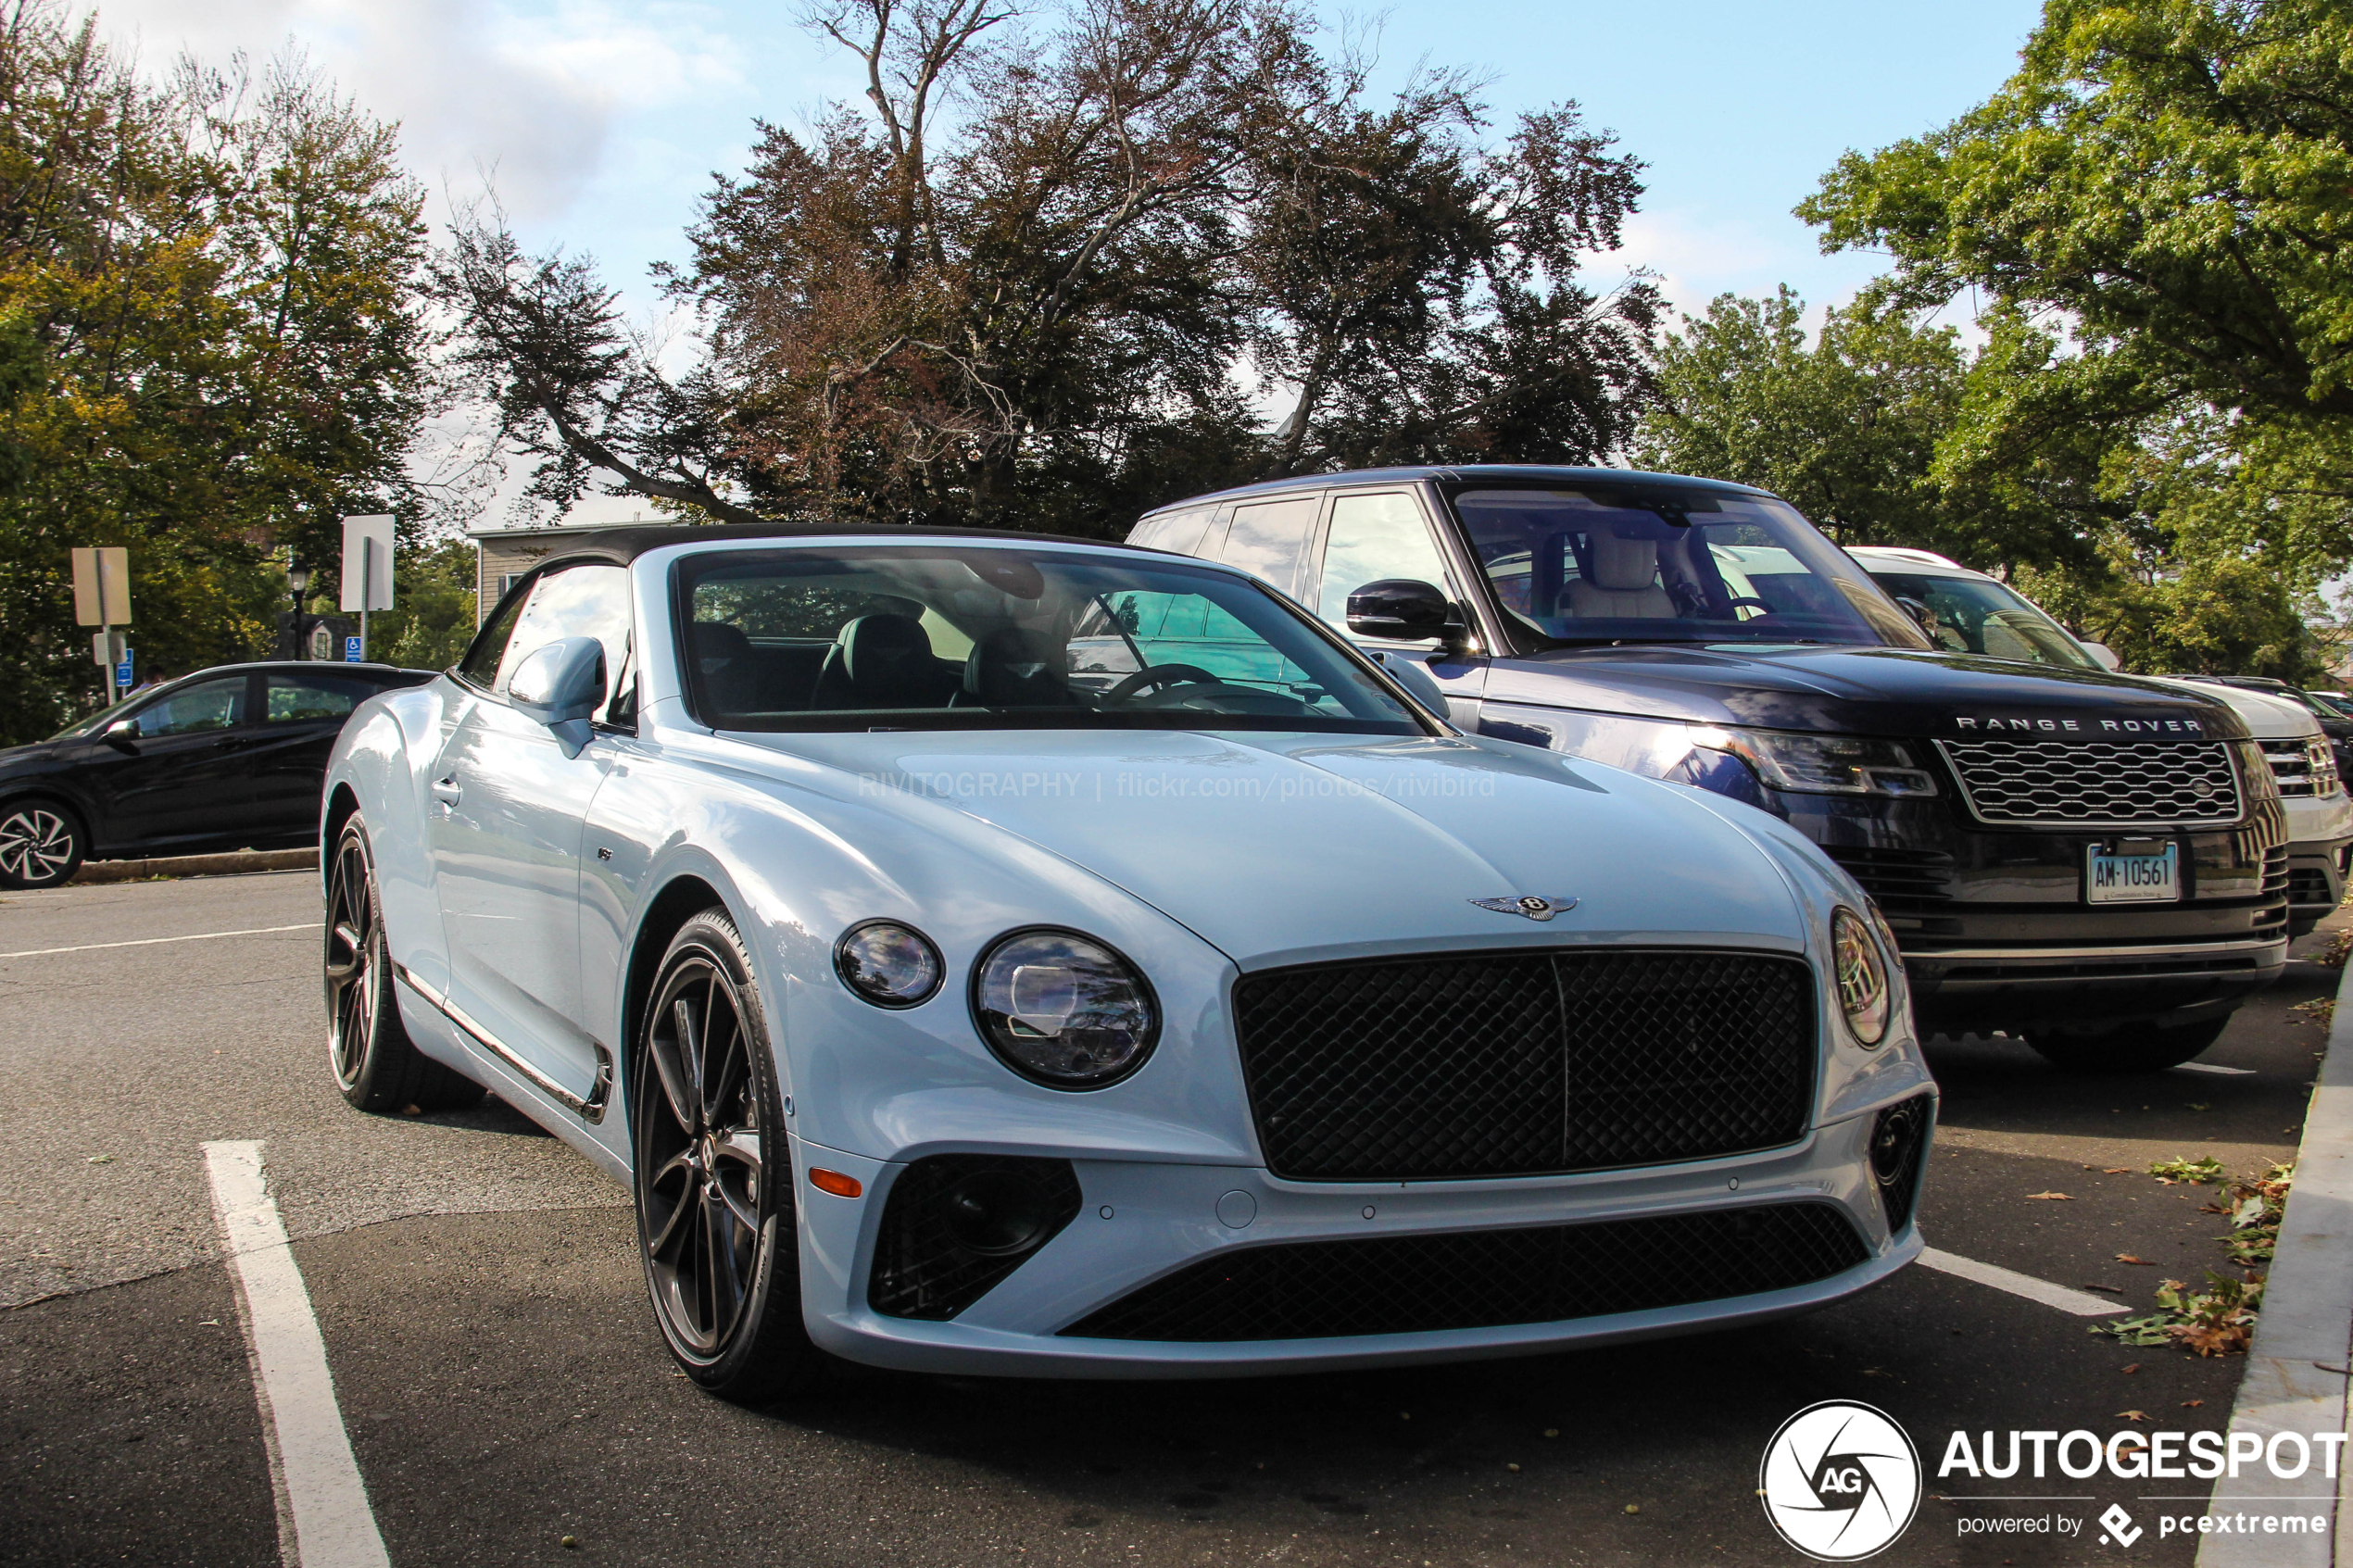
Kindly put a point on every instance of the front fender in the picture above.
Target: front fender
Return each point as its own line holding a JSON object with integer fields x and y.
{"x": 384, "y": 757}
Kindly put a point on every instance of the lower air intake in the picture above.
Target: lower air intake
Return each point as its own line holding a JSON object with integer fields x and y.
{"x": 957, "y": 1224}
{"x": 1483, "y": 1279}
{"x": 1899, "y": 1138}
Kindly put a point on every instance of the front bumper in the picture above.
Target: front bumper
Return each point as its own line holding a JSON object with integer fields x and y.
{"x": 1142, "y": 1220}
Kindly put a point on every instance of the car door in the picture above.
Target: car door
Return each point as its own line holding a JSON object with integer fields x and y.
{"x": 504, "y": 831}
{"x": 1376, "y": 534}
{"x": 185, "y": 777}
{"x": 302, "y": 714}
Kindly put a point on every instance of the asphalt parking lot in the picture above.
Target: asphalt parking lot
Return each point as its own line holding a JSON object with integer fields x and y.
{"x": 498, "y": 1372}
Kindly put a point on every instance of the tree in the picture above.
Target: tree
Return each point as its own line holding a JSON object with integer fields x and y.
{"x": 2169, "y": 174}
{"x": 1046, "y": 310}
{"x": 208, "y": 281}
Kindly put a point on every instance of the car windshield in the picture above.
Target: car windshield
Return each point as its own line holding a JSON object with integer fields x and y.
{"x": 950, "y": 637}
{"x": 1978, "y": 615}
{"x": 101, "y": 718}
{"x": 2332, "y": 705}
{"x": 1600, "y": 563}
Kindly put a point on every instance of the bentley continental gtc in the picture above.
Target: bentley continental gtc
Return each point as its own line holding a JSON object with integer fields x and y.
{"x": 993, "y": 953}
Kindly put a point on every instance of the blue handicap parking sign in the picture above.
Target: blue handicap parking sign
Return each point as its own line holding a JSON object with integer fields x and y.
{"x": 351, "y": 650}
{"x": 122, "y": 670}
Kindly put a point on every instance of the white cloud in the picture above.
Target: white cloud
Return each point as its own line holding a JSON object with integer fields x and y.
{"x": 532, "y": 96}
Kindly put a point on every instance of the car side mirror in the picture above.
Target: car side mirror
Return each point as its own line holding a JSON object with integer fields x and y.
{"x": 1403, "y": 610}
{"x": 1918, "y": 609}
{"x": 122, "y": 732}
{"x": 2106, "y": 655}
{"x": 561, "y": 685}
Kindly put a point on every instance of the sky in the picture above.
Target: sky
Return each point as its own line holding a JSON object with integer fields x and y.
{"x": 600, "y": 122}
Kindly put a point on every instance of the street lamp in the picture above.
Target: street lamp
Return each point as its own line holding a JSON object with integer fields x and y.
{"x": 297, "y": 579}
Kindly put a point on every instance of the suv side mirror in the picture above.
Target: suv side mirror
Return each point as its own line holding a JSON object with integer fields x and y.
{"x": 1403, "y": 610}
{"x": 1918, "y": 609}
{"x": 122, "y": 732}
{"x": 562, "y": 684}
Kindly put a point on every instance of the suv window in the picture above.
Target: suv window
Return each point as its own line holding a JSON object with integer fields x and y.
{"x": 577, "y": 601}
{"x": 209, "y": 705}
{"x": 1266, "y": 539}
{"x": 293, "y": 699}
{"x": 1373, "y": 537}
{"x": 1181, "y": 531}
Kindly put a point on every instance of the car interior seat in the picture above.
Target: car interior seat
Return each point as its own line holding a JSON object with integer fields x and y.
{"x": 1011, "y": 668}
{"x": 1623, "y": 584}
{"x": 730, "y": 675}
{"x": 883, "y": 661}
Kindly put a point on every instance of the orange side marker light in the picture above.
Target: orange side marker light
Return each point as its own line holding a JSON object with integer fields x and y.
{"x": 833, "y": 1181}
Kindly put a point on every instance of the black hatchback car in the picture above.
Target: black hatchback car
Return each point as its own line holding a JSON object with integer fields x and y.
{"x": 2095, "y": 862}
{"x": 226, "y": 759}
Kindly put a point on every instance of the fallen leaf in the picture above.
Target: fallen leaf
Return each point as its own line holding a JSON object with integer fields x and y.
{"x": 1633, "y": 1508}
{"x": 2128, "y": 1257}
{"x": 2194, "y": 1106}
{"x": 2133, "y": 1368}
{"x": 2192, "y": 1404}
{"x": 2118, "y": 1171}
{"x": 2111, "y": 1289}
{"x": 2132, "y": 1415}
{"x": 420, "y": 1111}
{"x": 2050, "y": 1196}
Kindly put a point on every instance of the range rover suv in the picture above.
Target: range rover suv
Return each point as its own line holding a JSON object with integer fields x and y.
{"x": 2093, "y": 863}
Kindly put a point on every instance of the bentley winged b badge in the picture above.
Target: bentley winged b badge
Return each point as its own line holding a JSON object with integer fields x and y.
{"x": 1528, "y": 904}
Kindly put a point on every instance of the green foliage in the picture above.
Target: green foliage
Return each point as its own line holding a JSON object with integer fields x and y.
{"x": 432, "y": 615}
{"x": 212, "y": 348}
{"x": 2205, "y": 1170}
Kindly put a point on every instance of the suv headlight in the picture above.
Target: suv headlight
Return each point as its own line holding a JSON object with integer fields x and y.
{"x": 1063, "y": 1009}
{"x": 1821, "y": 764}
{"x": 1861, "y": 968}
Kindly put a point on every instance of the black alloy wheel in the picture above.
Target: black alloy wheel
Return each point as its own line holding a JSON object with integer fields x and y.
{"x": 377, "y": 1066}
{"x": 713, "y": 1172}
{"x": 41, "y": 845}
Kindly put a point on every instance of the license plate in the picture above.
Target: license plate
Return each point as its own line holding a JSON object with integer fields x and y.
{"x": 2134, "y": 879}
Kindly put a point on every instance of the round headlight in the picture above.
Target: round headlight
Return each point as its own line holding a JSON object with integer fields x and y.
{"x": 889, "y": 964}
{"x": 1862, "y": 977}
{"x": 1063, "y": 1009}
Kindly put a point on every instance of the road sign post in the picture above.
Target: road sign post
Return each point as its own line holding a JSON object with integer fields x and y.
{"x": 367, "y": 570}
{"x": 102, "y": 599}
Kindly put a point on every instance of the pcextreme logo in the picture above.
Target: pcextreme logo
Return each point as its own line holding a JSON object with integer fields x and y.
{"x": 1841, "y": 1481}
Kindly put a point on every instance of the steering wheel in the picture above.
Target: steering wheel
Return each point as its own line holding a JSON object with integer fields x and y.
{"x": 1161, "y": 675}
{"x": 1739, "y": 600}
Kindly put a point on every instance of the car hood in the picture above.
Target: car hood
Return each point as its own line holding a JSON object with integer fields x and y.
{"x": 2266, "y": 718}
{"x": 1855, "y": 691}
{"x": 1281, "y": 847}
{"x": 14, "y": 758}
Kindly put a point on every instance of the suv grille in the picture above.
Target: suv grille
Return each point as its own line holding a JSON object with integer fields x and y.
{"x": 1897, "y": 878}
{"x": 2095, "y": 784}
{"x": 1481, "y": 1279}
{"x": 2303, "y": 769}
{"x": 1522, "y": 1063}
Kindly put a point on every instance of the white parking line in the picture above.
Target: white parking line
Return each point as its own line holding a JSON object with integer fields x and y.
{"x": 2217, "y": 1068}
{"x": 152, "y": 940}
{"x": 324, "y": 1518}
{"x": 2082, "y": 1303}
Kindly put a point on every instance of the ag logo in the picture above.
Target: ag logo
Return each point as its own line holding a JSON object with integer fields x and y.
{"x": 1840, "y": 1481}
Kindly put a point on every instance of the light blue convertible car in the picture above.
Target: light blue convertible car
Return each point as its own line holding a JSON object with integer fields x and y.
{"x": 964, "y": 977}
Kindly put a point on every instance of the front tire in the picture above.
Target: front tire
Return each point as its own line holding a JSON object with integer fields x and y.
{"x": 42, "y": 844}
{"x": 378, "y": 1068}
{"x": 713, "y": 1173}
{"x": 2131, "y": 1048}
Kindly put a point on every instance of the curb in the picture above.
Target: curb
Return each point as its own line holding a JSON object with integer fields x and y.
{"x": 2305, "y": 1329}
{"x": 197, "y": 865}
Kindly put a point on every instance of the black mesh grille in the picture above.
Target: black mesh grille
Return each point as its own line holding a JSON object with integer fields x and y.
{"x": 2308, "y": 885}
{"x": 2096, "y": 781}
{"x": 1899, "y": 1136}
{"x": 921, "y": 1269}
{"x": 1524, "y": 1063}
{"x": 1546, "y": 1273}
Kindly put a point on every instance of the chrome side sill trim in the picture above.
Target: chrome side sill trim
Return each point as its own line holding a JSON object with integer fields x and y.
{"x": 591, "y": 1109}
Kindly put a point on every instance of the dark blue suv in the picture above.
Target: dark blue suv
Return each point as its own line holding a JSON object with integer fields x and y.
{"x": 2095, "y": 862}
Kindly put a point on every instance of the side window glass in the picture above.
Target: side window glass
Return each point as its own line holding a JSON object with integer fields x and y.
{"x": 1267, "y": 539}
{"x": 1373, "y": 537}
{"x": 1181, "y": 531}
{"x": 480, "y": 663}
{"x": 212, "y": 705}
{"x": 291, "y": 699}
{"x": 579, "y": 601}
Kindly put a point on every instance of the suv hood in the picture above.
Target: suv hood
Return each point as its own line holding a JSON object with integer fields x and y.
{"x": 1866, "y": 691}
{"x": 1281, "y": 847}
